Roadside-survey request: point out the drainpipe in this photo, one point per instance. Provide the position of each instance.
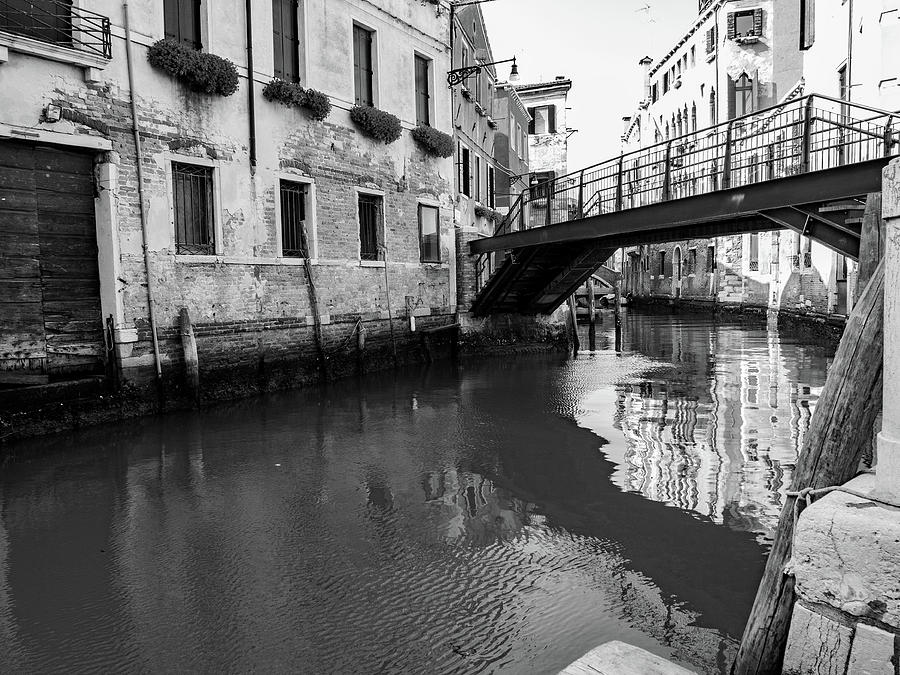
(251, 101)
(849, 93)
(151, 310)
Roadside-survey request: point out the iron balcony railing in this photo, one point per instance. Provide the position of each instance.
(808, 134)
(58, 22)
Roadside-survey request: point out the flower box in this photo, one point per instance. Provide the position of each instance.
(376, 124)
(291, 94)
(201, 72)
(433, 142)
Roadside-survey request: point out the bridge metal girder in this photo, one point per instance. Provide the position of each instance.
(816, 228)
(813, 213)
(721, 209)
(553, 294)
(502, 282)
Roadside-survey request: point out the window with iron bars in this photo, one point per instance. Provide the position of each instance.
(192, 199)
(294, 241)
(371, 229)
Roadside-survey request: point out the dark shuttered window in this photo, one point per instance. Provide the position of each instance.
(423, 95)
(294, 243)
(807, 23)
(192, 197)
(429, 233)
(466, 173)
(371, 230)
(748, 23)
(363, 66)
(285, 24)
(182, 21)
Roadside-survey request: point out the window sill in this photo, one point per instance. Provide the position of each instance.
(747, 40)
(52, 52)
(206, 259)
(371, 263)
(434, 265)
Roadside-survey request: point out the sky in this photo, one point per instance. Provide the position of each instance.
(597, 44)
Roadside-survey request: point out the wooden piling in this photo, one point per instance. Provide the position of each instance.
(361, 349)
(573, 324)
(592, 316)
(849, 403)
(191, 360)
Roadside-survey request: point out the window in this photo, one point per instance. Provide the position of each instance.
(710, 258)
(192, 205)
(692, 261)
(182, 21)
(423, 94)
(694, 116)
(807, 23)
(665, 82)
(44, 20)
(713, 114)
(711, 40)
(466, 181)
(371, 229)
(491, 187)
(662, 263)
(478, 178)
(654, 92)
(363, 71)
(429, 234)
(543, 120)
(742, 96)
(693, 55)
(754, 252)
(294, 243)
(285, 23)
(743, 24)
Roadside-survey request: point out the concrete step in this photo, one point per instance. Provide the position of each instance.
(620, 658)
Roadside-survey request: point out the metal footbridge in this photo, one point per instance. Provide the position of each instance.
(806, 165)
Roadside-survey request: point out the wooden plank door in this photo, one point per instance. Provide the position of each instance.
(70, 277)
(23, 346)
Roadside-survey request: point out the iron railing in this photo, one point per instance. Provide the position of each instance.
(808, 134)
(59, 23)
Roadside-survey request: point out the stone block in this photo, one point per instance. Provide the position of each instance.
(847, 555)
(816, 645)
(872, 652)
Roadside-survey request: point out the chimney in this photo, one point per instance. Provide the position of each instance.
(646, 62)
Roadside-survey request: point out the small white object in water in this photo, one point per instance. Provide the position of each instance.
(278, 465)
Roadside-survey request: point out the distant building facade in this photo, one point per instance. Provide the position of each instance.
(548, 131)
(738, 58)
(510, 146)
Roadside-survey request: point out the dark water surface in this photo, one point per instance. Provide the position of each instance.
(497, 516)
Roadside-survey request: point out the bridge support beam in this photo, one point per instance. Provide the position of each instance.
(816, 227)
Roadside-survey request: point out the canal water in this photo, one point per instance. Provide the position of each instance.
(504, 515)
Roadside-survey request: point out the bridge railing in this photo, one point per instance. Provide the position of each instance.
(808, 134)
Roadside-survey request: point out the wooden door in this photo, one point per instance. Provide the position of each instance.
(51, 283)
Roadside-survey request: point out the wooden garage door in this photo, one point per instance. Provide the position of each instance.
(49, 280)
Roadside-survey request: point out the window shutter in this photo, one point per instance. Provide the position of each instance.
(552, 117)
(170, 13)
(731, 101)
(531, 112)
(278, 36)
(710, 41)
(807, 23)
(731, 26)
(758, 22)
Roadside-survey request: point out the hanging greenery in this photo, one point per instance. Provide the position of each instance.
(376, 124)
(432, 141)
(201, 72)
(487, 212)
(291, 94)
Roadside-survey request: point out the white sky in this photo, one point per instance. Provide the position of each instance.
(596, 43)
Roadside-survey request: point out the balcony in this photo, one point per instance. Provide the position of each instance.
(55, 30)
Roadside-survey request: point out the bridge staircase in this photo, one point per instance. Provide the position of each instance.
(806, 165)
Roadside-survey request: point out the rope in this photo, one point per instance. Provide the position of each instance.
(807, 495)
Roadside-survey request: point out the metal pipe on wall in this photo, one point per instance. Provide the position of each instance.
(251, 88)
(139, 155)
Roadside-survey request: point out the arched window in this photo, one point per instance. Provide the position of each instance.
(680, 125)
(743, 96)
(713, 117)
(667, 131)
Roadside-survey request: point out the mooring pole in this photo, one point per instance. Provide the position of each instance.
(573, 322)
(592, 316)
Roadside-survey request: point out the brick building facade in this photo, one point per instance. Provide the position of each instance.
(227, 197)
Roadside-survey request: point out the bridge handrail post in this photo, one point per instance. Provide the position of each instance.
(888, 136)
(807, 135)
(667, 178)
(726, 167)
(581, 194)
(619, 185)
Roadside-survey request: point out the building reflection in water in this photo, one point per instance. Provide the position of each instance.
(716, 426)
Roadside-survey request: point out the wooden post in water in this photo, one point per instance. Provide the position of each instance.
(191, 360)
(848, 405)
(592, 315)
(573, 322)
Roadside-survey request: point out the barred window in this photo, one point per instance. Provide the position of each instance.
(192, 198)
(294, 242)
(429, 233)
(371, 229)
